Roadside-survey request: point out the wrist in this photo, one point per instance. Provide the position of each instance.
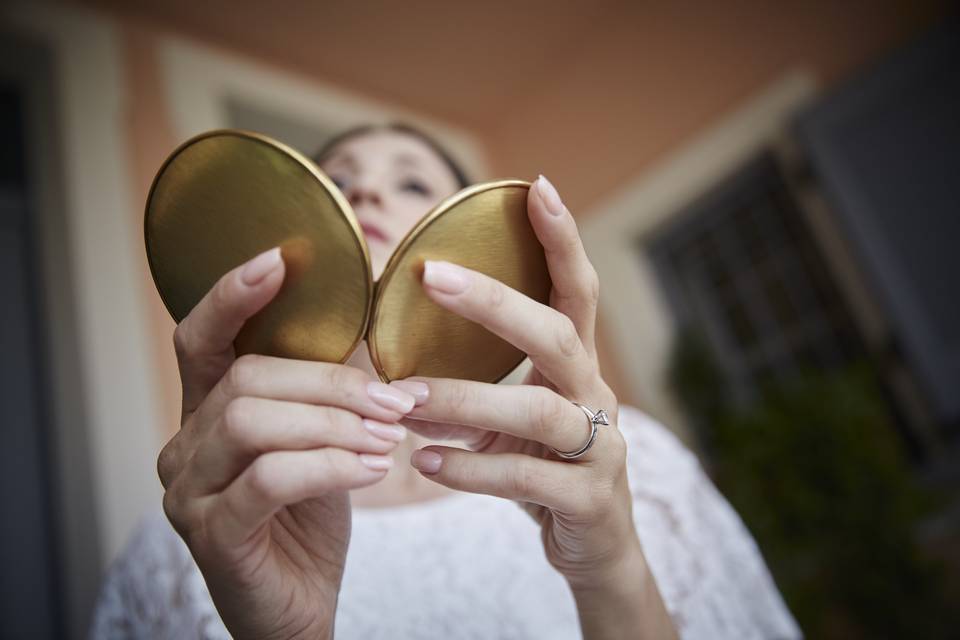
(319, 633)
(614, 553)
(317, 630)
(623, 602)
(618, 572)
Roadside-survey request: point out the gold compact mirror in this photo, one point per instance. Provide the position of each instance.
(225, 196)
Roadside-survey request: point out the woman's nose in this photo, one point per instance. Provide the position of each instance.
(360, 194)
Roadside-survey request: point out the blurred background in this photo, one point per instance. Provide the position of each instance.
(769, 191)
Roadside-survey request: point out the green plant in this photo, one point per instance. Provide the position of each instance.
(816, 471)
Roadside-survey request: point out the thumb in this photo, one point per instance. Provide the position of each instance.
(204, 339)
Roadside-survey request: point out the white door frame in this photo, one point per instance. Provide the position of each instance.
(633, 308)
(118, 383)
(199, 81)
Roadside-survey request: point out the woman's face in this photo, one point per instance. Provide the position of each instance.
(391, 179)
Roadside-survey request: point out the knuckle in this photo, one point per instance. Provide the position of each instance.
(522, 478)
(572, 243)
(518, 479)
(337, 377)
(339, 470)
(496, 295)
(594, 373)
(181, 340)
(609, 397)
(591, 285)
(458, 397)
(568, 340)
(167, 463)
(262, 478)
(331, 469)
(602, 393)
(546, 412)
(329, 426)
(346, 379)
(617, 449)
(236, 418)
(173, 509)
(220, 295)
(242, 373)
(170, 507)
(334, 419)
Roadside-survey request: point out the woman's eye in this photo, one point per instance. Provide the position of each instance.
(415, 186)
(340, 182)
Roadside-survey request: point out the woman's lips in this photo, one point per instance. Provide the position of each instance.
(373, 232)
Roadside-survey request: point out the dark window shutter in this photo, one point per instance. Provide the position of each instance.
(886, 149)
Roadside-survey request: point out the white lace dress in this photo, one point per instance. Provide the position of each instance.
(472, 566)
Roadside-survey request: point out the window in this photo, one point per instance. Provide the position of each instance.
(740, 268)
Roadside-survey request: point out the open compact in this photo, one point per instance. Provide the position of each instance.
(225, 196)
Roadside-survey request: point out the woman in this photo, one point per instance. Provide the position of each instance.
(279, 464)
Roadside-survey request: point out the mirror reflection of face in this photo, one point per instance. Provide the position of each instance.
(391, 179)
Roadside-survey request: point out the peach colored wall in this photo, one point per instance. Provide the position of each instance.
(151, 139)
(612, 112)
(591, 93)
(626, 93)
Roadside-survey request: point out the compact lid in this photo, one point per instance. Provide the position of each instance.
(225, 196)
(485, 228)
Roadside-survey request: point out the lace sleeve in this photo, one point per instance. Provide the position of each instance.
(153, 590)
(708, 567)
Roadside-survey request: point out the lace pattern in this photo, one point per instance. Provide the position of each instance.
(471, 566)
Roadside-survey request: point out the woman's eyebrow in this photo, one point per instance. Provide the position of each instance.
(342, 158)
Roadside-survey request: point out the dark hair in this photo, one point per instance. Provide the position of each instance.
(458, 173)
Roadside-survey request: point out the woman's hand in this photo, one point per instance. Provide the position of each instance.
(257, 477)
(582, 505)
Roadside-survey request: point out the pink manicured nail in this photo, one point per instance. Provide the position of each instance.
(419, 390)
(375, 462)
(551, 199)
(426, 461)
(389, 397)
(260, 267)
(384, 431)
(445, 277)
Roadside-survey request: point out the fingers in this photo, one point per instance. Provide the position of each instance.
(282, 478)
(472, 437)
(556, 485)
(320, 383)
(576, 287)
(204, 339)
(250, 427)
(527, 412)
(278, 379)
(247, 442)
(547, 336)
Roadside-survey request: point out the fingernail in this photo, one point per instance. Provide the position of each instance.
(551, 199)
(426, 461)
(445, 277)
(260, 267)
(375, 462)
(389, 397)
(384, 431)
(419, 390)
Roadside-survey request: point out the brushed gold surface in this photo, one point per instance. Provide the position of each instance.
(225, 196)
(485, 228)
